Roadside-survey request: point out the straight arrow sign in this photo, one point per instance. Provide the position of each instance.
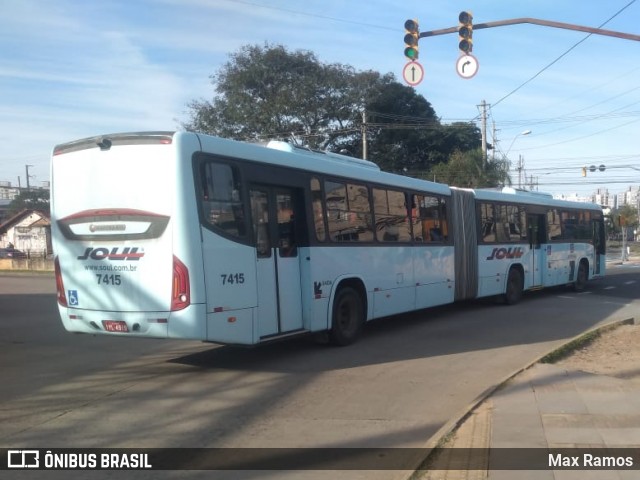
(413, 73)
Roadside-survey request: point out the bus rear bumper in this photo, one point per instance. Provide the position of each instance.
(185, 324)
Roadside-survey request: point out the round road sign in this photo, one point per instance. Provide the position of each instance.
(467, 66)
(413, 73)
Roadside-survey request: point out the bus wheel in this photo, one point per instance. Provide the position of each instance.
(515, 285)
(581, 278)
(348, 317)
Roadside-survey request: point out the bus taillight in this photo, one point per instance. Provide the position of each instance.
(180, 290)
(62, 299)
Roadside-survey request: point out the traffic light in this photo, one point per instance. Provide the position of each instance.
(411, 39)
(465, 32)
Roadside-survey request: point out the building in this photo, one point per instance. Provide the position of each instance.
(28, 231)
(7, 192)
(631, 196)
(573, 197)
(602, 197)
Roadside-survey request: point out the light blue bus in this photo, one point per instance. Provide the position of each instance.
(184, 235)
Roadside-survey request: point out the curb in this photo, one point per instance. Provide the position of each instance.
(454, 423)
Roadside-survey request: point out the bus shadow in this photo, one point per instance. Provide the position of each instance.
(550, 315)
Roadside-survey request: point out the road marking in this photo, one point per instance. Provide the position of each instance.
(630, 282)
(610, 287)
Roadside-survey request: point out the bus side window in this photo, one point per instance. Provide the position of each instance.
(429, 219)
(392, 222)
(318, 210)
(222, 198)
(487, 219)
(348, 212)
(553, 224)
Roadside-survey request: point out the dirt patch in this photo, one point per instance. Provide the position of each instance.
(615, 353)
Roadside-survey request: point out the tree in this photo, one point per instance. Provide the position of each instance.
(30, 199)
(623, 220)
(267, 92)
(628, 215)
(271, 93)
(465, 169)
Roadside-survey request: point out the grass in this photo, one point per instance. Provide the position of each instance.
(616, 245)
(580, 342)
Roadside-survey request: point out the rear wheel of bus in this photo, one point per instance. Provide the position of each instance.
(348, 316)
(515, 286)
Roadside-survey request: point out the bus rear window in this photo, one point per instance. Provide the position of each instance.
(221, 201)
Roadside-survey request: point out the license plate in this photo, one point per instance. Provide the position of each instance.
(115, 326)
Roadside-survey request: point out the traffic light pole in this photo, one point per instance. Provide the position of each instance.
(535, 21)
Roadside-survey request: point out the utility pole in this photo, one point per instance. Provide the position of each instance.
(26, 167)
(364, 134)
(494, 141)
(483, 115)
(520, 169)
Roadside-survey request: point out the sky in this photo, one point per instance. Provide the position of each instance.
(71, 69)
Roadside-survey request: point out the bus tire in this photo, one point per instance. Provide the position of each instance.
(515, 287)
(347, 318)
(581, 277)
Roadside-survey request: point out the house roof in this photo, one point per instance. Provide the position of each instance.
(43, 219)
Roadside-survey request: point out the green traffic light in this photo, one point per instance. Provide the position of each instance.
(411, 39)
(411, 53)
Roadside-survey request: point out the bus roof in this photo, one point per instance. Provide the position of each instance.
(322, 163)
(513, 195)
(287, 155)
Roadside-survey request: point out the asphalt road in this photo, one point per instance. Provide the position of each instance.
(395, 388)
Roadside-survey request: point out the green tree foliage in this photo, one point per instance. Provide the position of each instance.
(268, 92)
(465, 169)
(30, 199)
(626, 215)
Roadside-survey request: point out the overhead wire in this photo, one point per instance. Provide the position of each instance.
(494, 104)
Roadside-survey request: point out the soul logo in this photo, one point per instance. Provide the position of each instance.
(511, 252)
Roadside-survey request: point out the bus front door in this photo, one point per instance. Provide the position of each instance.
(537, 225)
(275, 211)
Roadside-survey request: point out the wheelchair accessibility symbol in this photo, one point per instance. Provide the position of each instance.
(73, 298)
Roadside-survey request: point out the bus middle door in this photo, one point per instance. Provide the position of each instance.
(274, 220)
(537, 232)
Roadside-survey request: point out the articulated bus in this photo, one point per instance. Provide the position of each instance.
(183, 235)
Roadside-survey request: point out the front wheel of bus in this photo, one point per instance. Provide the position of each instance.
(515, 286)
(348, 317)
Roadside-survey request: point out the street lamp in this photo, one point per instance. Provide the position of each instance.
(526, 132)
(520, 163)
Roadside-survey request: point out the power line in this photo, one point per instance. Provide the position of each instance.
(313, 15)
(562, 56)
(582, 137)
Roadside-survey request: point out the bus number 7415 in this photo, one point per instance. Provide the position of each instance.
(232, 278)
(107, 279)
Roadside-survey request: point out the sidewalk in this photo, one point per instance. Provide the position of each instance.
(544, 407)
